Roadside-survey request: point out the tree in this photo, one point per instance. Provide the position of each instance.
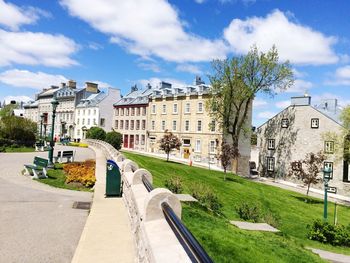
(7, 110)
(168, 143)
(226, 154)
(235, 83)
(115, 139)
(308, 169)
(96, 133)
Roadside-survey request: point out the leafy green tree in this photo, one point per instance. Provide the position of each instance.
(7, 110)
(234, 84)
(226, 154)
(96, 133)
(168, 143)
(115, 139)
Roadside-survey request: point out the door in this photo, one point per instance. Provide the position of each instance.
(186, 153)
(125, 141)
(131, 145)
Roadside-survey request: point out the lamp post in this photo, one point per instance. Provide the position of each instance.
(326, 177)
(54, 103)
(41, 128)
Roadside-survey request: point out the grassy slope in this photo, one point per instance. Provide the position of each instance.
(226, 243)
(19, 149)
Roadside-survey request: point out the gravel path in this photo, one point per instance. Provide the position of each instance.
(37, 222)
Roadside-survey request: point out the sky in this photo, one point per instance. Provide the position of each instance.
(119, 43)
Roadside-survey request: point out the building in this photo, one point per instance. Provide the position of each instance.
(95, 108)
(297, 130)
(182, 111)
(31, 111)
(130, 118)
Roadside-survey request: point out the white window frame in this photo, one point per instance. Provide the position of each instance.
(164, 109)
(188, 107)
(329, 147)
(315, 123)
(174, 125)
(198, 146)
(175, 108)
(271, 144)
(163, 125)
(200, 107)
(270, 164)
(153, 125)
(212, 146)
(201, 126)
(187, 125)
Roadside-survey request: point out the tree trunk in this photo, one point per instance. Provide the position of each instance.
(308, 188)
(234, 165)
(224, 174)
(167, 157)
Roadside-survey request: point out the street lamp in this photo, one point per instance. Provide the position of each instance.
(54, 103)
(327, 171)
(42, 116)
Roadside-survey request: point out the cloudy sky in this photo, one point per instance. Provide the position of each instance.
(120, 43)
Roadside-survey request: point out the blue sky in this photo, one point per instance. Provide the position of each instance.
(122, 43)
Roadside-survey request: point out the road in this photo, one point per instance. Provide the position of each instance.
(37, 221)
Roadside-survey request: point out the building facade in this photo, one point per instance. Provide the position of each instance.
(297, 130)
(130, 118)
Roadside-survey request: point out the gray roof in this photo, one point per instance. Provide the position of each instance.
(135, 97)
(93, 100)
(31, 104)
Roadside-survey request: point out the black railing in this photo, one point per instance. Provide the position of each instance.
(192, 247)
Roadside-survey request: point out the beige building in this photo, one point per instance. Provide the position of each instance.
(130, 118)
(297, 130)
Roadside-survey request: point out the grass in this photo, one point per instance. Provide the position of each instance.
(57, 178)
(19, 149)
(226, 243)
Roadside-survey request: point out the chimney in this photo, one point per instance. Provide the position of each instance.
(329, 105)
(134, 88)
(198, 81)
(301, 101)
(91, 87)
(164, 85)
(72, 84)
(148, 86)
(63, 85)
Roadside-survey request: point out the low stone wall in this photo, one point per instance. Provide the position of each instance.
(155, 240)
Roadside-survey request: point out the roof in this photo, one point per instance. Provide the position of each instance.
(48, 92)
(31, 104)
(92, 100)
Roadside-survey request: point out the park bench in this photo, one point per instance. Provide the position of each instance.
(38, 168)
(69, 155)
(252, 169)
(39, 146)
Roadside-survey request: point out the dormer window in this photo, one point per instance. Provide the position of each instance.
(315, 123)
(285, 123)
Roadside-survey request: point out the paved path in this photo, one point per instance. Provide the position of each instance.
(37, 222)
(332, 257)
(107, 235)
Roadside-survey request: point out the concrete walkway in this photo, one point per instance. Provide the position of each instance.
(333, 257)
(107, 234)
(37, 221)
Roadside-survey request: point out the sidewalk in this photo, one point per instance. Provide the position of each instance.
(107, 234)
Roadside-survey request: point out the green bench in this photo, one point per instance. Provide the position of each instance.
(69, 155)
(38, 168)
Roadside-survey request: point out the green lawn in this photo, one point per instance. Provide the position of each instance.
(57, 178)
(226, 243)
(19, 149)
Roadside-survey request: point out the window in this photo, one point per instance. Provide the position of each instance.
(126, 125)
(329, 165)
(285, 123)
(199, 126)
(78, 132)
(94, 111)
(83, 121)
(142, 139)
(164, 109)
(121, 124)
(78, 121)
(175, 108)
(88, 121)
(153, 109)
(95, 122)
(152, 139)
(138, 111)
(186, 142)
(137, 124)
(329, 147)
(212, 126)
(270, 164)
(116, 124)
(127, 112)
(296, 166)
(271, 144)
(187, 125)
(78, 112)
(153, 125)
(143, 111)
(315, 123)
(143, 124)
(200, 107)
(102, 122)
(122, 112)
(174, 125)
(163, 125)
(132, 111)
(83, 112)
(137, 138)
(212, 147)
(89, 112)
(187, 107)
(132, 124)
(198, 146)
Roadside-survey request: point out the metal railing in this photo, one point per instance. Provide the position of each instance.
(192, 247)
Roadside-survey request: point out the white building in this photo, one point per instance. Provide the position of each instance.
(297, 130)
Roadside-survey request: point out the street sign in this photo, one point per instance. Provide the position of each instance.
(332, 189)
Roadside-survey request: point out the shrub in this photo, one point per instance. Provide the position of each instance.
(83, 172)
(174, 184)
(115, 139)
(271, 219)
(324, 232)
(96, 133)
(78, 144)
(249, 212)
(206, 197)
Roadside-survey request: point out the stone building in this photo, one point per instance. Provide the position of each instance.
(297, 130)
(95, 108)
(130, 118)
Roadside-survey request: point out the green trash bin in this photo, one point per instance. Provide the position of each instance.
(113, 179)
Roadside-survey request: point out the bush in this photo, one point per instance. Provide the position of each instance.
(206, 197)
(249, 212)
(174, 184)
(96, 133)
(83, 172)
(78, 144)
(115, 139)
(327, 233)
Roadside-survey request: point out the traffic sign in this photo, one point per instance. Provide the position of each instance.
(332, 189)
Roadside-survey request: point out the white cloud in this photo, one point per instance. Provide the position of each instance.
(298, 73)
(266, 114)
(189, 68)
(155, 82)
(146, 28)
(149, 66)
(36, 49)
(8, 99)
(342, 100)
(199, 1)
(295, 42)
(340, 77)
(300, 86)
(12, 16)
(101, 84)
(259, 103)
(283, 104)
(26, 79)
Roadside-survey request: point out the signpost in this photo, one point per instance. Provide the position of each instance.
(327, 171)
(332, 189)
